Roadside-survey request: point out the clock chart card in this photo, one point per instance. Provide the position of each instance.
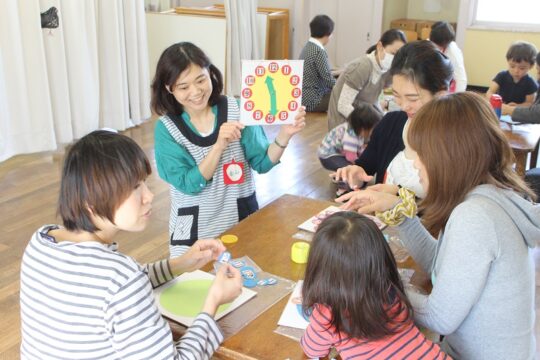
(271, 91)
(182, 298)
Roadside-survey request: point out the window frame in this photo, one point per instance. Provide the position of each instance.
(499, 25)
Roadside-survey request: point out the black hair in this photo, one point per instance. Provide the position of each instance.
(100, 171)
(321, 26)
(352, 270)
(364, 117)
(422, 63)
(538, 59)
(521, 51)
(172, 62)
(442, 33)
(388, 38)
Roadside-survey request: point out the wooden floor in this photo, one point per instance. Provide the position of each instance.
(29, 190)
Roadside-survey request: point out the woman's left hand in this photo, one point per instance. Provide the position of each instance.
(386, 188)
(290, 130)
(200, 254)
(368, 201)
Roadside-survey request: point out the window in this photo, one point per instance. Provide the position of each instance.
(510, 15)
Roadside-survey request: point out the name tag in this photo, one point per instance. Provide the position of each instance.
(233, 173)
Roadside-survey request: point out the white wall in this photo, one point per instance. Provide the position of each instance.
(449, 10)
(394, 9)
(352, 18)
(209, 33)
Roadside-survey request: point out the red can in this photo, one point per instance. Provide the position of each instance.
(496, 103)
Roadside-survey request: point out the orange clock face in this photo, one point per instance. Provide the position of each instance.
(271, 91)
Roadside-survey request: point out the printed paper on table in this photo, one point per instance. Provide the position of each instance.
(182, 299)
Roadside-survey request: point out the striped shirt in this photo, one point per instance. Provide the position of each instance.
(205, 209)
(408, 343)
(88, 301)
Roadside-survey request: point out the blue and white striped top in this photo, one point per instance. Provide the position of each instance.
(89, 301)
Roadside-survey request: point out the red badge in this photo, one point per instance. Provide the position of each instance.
(233, 173)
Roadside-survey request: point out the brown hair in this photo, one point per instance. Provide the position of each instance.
(459, 140)
(100, 172)
(352, 270)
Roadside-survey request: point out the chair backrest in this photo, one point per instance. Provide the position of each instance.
(424, 33)
(532, 177)
(410, 35)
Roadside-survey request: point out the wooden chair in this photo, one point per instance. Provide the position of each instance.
(410, 35)
(424, 33)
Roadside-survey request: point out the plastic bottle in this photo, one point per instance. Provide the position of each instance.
(496, 104)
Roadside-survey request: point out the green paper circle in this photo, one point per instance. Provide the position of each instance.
(186, 298)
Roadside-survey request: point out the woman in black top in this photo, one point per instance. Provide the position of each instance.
(419, 73)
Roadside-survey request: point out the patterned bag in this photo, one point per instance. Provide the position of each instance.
(49, 18)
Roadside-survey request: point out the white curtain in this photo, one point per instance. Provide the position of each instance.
(26, 119)
(60, 84)
(242, 41)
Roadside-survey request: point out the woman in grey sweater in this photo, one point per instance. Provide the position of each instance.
(481, 265)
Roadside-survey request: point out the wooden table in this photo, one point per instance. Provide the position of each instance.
(524, 139)
(266, 237)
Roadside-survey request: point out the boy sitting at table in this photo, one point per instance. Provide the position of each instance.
(515, 85)
(526, 114)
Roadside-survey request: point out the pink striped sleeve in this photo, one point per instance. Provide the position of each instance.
(318, 337)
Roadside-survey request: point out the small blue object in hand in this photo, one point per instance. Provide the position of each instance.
(224, 258)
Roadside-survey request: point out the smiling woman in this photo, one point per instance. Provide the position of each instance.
(203, 151)
(419, 73)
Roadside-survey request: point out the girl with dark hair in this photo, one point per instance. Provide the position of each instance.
(419, 73)
(356, 295)
(481, 264)
(364, 78)
(344, 143)
(203, 151)
(81, 297)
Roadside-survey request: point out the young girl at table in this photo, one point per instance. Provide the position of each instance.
(481, 262)
(83, 299)
(344, 143)
(357, 298)
(203, 151)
